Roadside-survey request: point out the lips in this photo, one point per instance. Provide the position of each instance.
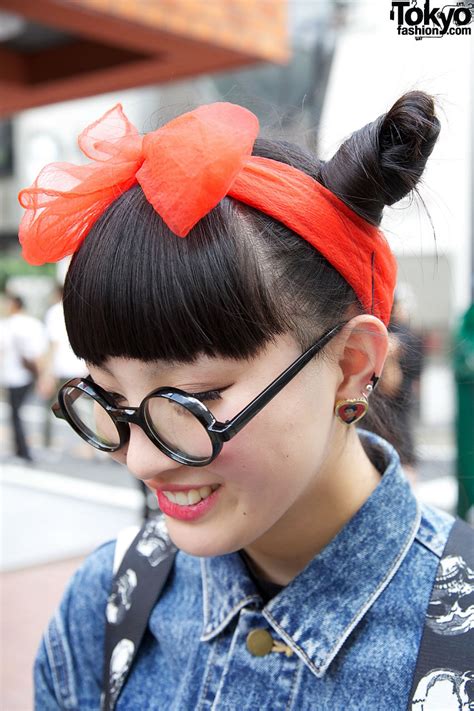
(185, 512)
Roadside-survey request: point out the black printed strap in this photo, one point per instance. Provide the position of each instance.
(136, 587)
(445, 664)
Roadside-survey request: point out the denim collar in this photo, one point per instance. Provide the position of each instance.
(320, 608)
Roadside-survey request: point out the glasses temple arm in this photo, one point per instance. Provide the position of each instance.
(231, 427)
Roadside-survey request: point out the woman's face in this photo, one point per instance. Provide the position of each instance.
(265, 474)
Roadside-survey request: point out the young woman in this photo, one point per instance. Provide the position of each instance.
(209, 265)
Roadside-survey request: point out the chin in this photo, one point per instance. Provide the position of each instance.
(201, 544)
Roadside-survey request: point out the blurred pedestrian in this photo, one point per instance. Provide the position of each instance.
(399, 387)
(22, 345)
(405, 399)
(61, 363)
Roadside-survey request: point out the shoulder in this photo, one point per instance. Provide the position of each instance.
(68, 666)
(96, 571)
(81, 611)
(434, 529)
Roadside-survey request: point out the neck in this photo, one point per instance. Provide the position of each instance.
(339, 490)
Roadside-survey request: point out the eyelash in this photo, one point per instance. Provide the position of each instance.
(209, 395)
(203, 397)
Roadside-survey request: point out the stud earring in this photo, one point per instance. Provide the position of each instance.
(353, 409)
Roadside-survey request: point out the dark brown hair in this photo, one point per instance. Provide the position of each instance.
(239, 278)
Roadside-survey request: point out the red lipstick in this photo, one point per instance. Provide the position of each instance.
(188, 512)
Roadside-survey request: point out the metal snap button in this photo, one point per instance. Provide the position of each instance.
(259, 642)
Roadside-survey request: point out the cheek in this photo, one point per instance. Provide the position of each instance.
(273, 455)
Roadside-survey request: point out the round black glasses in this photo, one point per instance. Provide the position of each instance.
(180, 425)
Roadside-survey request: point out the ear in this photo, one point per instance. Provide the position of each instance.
(361, 351)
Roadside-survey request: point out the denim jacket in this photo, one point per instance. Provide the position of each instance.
(347, 629)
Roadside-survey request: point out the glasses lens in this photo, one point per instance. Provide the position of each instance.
(91, 418)
(178, 428)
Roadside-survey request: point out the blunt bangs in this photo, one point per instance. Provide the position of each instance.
(136, 290)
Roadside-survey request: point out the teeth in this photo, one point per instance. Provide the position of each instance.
(190, 497)
(194, 496)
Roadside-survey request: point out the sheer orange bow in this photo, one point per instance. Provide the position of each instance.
(185, 168)
(65, 200)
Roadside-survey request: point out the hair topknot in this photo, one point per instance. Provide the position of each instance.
(382, 162)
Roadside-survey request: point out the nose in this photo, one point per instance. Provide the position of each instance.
(143, 458)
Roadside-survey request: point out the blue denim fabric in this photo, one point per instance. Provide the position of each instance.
(352, 620)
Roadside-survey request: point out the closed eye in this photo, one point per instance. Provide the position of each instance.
(119, 400)
(209, 395)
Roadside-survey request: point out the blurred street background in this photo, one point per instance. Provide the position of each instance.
(313, 71)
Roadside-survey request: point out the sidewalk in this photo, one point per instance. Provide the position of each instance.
(45, 535)
(29, 598)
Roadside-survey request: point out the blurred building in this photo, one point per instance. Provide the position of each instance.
(55, 51)
(287, 47)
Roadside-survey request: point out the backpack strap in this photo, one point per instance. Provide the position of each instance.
(445, 664)
(124, 540)
(136, 587)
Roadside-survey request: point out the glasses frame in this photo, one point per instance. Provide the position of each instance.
(218, 432)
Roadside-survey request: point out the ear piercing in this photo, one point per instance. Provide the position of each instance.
(352, 410)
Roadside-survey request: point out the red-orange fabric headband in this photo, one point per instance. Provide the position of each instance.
(185, 168)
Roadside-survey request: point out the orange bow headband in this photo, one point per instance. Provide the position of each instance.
(185, 168)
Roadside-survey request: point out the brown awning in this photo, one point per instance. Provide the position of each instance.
(62, 50)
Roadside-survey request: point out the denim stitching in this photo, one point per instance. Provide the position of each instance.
(229, 658)
(296, 680)
(291, 642)
(61, 663)
(208, 674)
(237, 607)
(205, 597)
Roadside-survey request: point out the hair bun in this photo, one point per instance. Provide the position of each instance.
(383, 161)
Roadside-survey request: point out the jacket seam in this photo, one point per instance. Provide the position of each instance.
(207, 680)
(205, 596)
(294, 685)
(429, 546)
(233, 611)
(291, 643)
(225, 671)
(61, 664)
